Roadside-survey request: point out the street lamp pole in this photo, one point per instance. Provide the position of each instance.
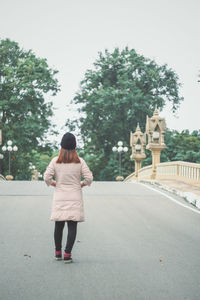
(120, 149)
(9, 162)
(9, 148)
(120, 163)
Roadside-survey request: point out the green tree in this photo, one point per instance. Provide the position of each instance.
(121, 89)
(41, 160)
(26, 83)
(183, 146)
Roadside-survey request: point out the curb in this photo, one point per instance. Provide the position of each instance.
(188, 196)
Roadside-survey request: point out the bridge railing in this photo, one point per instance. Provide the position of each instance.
(179, 169)
(185, 171)
(143, 173)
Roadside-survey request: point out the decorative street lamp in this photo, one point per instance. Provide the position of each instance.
(31, 166)
(137, 143)
(120, 149)
(1, 157)
(155, 129)
(9, 148)
(39, 175)
(34, 171)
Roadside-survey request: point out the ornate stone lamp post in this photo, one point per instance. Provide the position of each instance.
(155, 129)
(120, 150)
(9, 148)
(34, 171)
(137, 143)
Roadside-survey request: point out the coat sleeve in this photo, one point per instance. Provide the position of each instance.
(87, 174)
(49, 173)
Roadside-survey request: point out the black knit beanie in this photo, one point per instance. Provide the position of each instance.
(68, 141)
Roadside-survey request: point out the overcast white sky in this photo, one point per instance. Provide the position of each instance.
(71, 33)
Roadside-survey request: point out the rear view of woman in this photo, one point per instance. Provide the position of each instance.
(67, 206)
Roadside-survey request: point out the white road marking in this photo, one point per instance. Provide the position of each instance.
(170, 198)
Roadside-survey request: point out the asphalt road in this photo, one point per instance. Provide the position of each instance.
(135, 244)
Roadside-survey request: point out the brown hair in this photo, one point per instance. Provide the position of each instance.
(67, 156)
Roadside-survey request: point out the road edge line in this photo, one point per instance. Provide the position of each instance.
(170, 198)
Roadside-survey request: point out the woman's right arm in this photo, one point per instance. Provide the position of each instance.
(49, 173)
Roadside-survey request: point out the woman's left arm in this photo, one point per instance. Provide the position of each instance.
(87, 174)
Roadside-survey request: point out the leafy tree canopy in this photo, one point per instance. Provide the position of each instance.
(183, 146)
(25, 82)
(121, 89)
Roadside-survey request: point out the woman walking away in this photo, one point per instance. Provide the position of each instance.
(67, 206)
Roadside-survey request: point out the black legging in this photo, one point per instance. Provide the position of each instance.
(58, 233)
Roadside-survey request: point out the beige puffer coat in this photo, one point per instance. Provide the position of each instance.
(67, 200)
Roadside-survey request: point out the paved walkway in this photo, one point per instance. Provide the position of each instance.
(136, 244)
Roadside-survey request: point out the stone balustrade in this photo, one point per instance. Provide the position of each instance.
(180, 170)
(185, 171)
(143, 173)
